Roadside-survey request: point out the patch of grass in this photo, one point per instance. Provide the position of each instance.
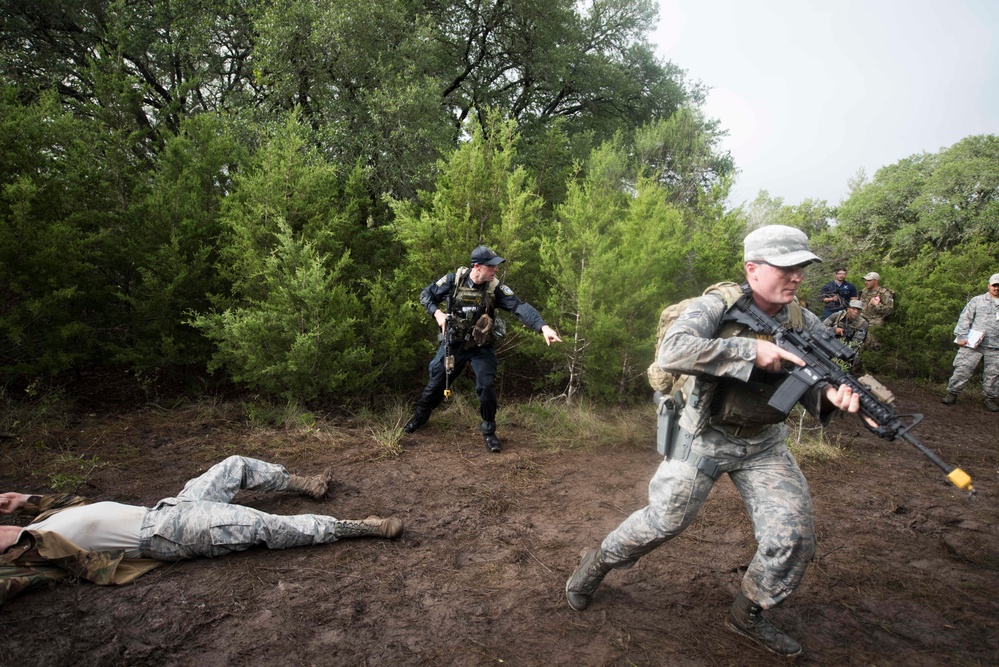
(262, 413)
(807, 439)
(39, 409)
(559, 425)
(73, 472)
(389, 437)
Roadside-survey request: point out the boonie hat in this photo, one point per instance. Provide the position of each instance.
(487, 256)
(873, 275)
(994, 279)
(856, 303)
(778, 245)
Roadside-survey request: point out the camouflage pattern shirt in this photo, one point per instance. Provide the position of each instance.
(40, 557)
(876, 314)
(982, 314)
(699, 344)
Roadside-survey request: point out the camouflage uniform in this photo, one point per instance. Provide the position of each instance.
(202, 522)
(752, 453)
(876, 314)
(981, 314)
(854, 332)
(198, 522)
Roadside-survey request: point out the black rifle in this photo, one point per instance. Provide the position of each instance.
(820, 350)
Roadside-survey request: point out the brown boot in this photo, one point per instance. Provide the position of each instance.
(373, 526)
(316, 487)
(583, 583)
(745, 617)
(949, 399)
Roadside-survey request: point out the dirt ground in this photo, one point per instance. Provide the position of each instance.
(906, 573)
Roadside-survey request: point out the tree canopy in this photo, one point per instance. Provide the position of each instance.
(261, 188)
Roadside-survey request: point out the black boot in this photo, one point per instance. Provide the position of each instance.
(419, 419)
(745, 617)
(493, 443)
(589, 573)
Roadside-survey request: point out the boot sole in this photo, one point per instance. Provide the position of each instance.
(756, 640)
(572, 606)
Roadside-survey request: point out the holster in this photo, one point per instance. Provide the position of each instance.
(673, 442)
(668, 422)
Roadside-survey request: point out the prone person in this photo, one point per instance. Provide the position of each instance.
(113, 543)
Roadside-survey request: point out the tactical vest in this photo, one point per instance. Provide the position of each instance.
(849, 327)
(744, 404)
(469, 303)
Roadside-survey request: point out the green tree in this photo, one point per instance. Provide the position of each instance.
(180, 229)
(622, 252)
(298, 338)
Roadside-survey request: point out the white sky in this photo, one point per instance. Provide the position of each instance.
(810, 91)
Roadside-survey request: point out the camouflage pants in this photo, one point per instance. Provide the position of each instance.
(775, 494)
(967, 361)
(200, 522)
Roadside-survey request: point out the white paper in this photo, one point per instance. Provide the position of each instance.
(974, 338)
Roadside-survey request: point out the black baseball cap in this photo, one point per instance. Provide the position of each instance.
(487, 256)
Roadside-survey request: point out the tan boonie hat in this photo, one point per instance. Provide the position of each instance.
(994, 279)
(856, 303)
(873, 275)
(778, 245)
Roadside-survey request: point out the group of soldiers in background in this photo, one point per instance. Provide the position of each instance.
(851, 316)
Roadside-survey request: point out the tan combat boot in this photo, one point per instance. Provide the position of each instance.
(745, 617)
(583, 583)
(316, 487)
(373, 526)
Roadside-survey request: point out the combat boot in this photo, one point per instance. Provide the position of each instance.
(316, 487)
(991, 405)
(373, 526)
(745, 617)
(493, 443)
(583, 583)
(418, 420)
(949, 399)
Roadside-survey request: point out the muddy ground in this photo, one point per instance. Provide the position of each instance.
(907, 570)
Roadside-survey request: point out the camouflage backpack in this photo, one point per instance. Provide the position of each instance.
(668, 383)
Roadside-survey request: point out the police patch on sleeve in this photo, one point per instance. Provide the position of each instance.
(506, 290)
(689, 315)
(440, 283)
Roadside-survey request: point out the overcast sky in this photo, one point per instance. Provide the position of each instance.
(810, 91)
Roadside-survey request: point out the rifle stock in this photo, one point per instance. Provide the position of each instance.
(820, 350)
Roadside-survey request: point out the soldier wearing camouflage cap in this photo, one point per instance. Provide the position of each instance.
(726, 426)
(977, 334)
(113, 543)
(879, 301)
(851, 327)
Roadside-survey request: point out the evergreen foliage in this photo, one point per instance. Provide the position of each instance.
(262, 189)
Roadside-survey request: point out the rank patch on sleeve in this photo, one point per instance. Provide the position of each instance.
(689, 315)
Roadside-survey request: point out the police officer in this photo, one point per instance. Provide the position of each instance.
(468, 331)
(727, 426)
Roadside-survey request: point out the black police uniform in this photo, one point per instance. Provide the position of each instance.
(482, 358)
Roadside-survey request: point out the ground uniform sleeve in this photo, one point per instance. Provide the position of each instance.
(525, 312)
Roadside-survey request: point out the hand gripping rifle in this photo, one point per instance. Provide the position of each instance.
(820, 350)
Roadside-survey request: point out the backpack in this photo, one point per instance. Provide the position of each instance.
(668, 383)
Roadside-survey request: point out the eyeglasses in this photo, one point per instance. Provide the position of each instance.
(784, 270)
